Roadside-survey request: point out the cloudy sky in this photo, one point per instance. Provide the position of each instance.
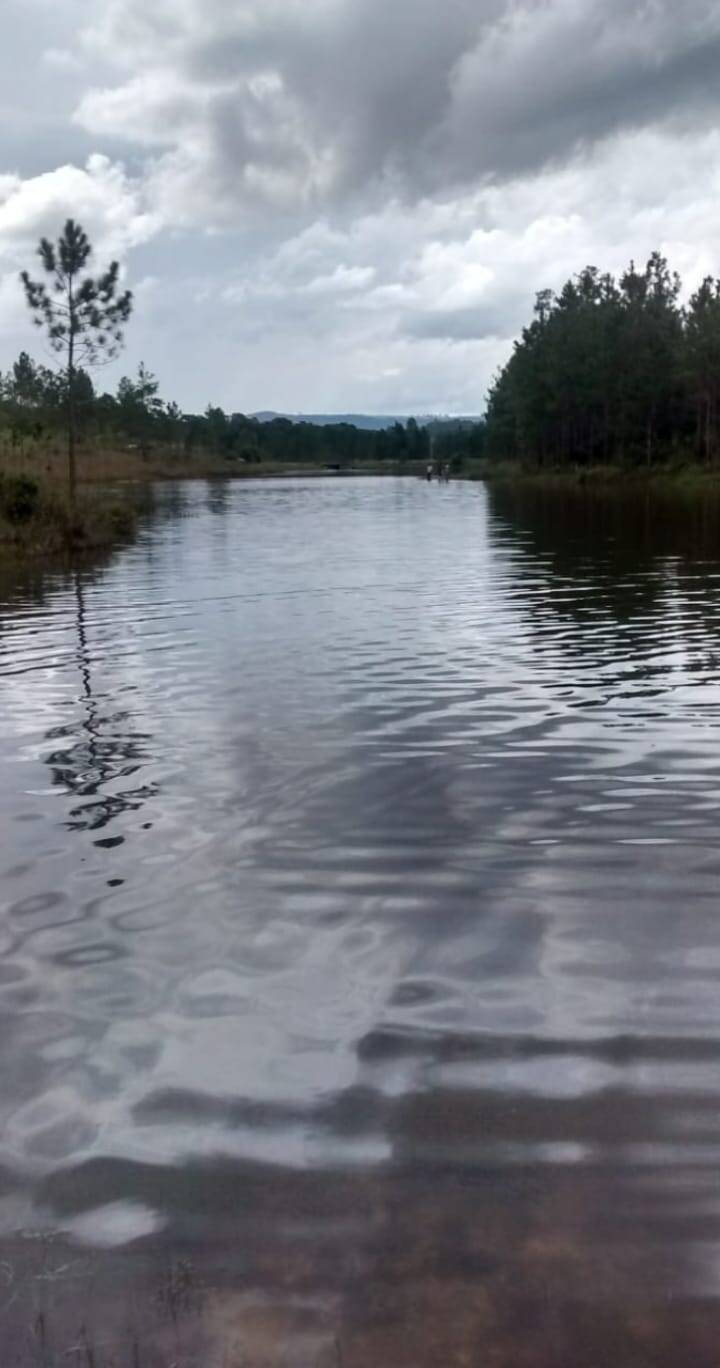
(329, 205)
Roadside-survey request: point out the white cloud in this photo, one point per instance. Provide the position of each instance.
(62, 59)
(439, 290)
(343, 280)
(101, 195)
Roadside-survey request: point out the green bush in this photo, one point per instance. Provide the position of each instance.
(19, 498)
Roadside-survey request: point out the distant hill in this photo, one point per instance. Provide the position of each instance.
(371, 422)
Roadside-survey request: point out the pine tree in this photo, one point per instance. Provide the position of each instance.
(702, 362)
(82, 315)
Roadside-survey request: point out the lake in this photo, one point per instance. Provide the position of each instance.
(359, 931)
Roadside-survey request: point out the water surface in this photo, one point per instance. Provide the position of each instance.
(359, 917)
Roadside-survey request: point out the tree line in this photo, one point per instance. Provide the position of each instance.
(613, 371)
(34, 404)
(83, 318)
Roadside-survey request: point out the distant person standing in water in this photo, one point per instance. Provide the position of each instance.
(429, 472)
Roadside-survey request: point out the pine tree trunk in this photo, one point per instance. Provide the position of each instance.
(71, 447)
(71, 417)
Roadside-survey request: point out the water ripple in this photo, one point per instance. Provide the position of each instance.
(352, 824)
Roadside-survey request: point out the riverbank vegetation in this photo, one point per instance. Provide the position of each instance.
(611, 376)
(132, 431)
(39, 518)
(131, 437)
(58, 431)
(610, 373)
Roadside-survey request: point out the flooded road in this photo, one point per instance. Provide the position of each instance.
(359, 928)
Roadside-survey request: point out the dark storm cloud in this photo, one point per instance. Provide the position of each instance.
(571, 74)
(342, 98)
(498, 319)
(370, 82)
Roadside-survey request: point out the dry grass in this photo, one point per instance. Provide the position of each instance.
(54, 526)
(113, 465)
(677, 475)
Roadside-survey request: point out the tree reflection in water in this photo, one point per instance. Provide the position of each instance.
(104, 755)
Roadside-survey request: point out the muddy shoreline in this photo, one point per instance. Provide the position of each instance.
(406, 1267)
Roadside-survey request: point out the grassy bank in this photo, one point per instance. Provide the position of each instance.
(115, 466)
(108, 466)
(681, 476)
(38, 519)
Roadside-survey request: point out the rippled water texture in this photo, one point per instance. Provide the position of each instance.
(359, 923)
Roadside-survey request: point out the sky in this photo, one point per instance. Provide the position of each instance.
(349, 205)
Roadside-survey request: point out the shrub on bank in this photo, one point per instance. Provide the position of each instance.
(19, 498)
(37, 519)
